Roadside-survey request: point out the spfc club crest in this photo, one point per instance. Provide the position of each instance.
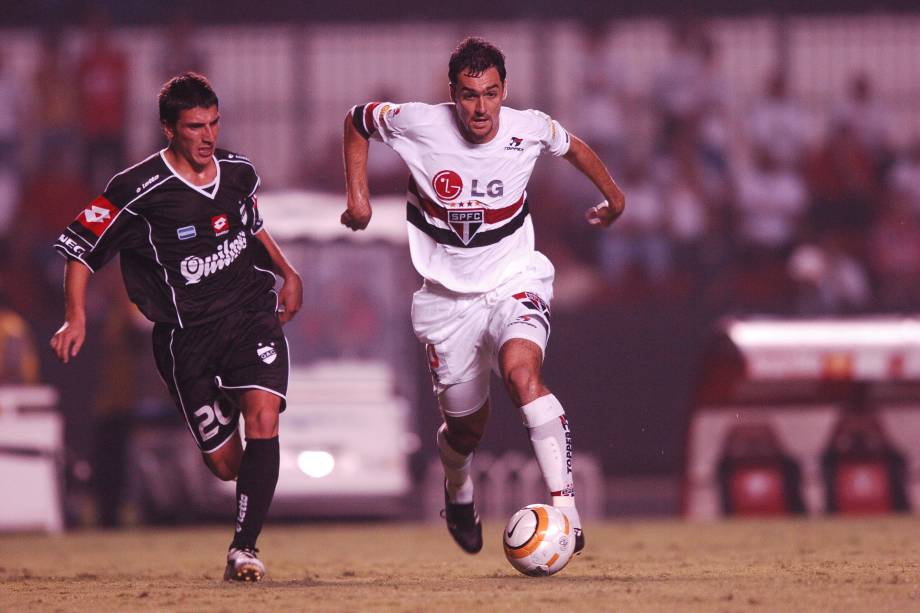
(466, 223)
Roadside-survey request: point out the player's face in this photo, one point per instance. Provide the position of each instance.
(194, 135)
(478, 100)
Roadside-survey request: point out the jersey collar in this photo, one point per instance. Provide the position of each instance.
(198, 188)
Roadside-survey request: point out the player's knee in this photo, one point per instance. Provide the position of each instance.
(523, 384)
(261, 422)
(463, 438)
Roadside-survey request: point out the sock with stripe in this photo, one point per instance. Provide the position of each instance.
(551, 439)
(255, 488)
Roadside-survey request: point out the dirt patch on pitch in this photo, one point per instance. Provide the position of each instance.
(870, 564)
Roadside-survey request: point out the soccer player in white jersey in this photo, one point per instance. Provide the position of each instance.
(484, 301)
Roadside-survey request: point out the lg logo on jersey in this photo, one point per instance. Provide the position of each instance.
(448, 185)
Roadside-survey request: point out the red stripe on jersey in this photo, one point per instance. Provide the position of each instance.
(369, 117)
(439, 212)
(97, 216)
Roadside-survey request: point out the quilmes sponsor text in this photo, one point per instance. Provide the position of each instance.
(194, 268)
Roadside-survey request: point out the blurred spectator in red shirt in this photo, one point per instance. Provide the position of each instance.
(48, 201)
(842, 181)
(102, 85)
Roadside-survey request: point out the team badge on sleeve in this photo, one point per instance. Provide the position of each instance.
(98, 215)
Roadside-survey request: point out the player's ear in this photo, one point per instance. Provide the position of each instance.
(505, 90)
(168, 130)
(453, 91)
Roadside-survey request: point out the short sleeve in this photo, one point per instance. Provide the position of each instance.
(553, 137)
(98, 233)
(252, 217)
(383, 121)
(103, 228)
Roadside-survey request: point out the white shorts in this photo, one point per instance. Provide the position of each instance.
(463, 333)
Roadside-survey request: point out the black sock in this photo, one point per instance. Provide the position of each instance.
(255, 487)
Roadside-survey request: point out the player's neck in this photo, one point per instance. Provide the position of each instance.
(190, 171)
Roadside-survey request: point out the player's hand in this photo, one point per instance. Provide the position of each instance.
(601, 215)
(290, 297)
(68, 340)
(356, 216)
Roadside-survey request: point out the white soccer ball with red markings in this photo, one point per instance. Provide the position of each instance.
(539, 540)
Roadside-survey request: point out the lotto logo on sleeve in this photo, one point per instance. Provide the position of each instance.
(221, 225)
(98, 215)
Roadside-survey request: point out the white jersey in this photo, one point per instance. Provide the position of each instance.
(468, 218)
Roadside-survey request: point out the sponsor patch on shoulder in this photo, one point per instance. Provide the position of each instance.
(388, 112)
(97, 216)
(186, 232)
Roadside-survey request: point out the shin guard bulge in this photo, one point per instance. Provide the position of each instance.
(456, 470)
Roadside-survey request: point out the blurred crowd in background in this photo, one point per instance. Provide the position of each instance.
(789, 210)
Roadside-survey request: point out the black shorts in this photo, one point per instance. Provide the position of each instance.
(205, 367)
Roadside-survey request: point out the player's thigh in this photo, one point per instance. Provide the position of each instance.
(183, 358)
(453, 331)
(256, 360)
(465, 399)
(519, 332)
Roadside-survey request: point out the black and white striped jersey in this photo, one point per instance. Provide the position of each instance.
(468, 217)
(188, 253)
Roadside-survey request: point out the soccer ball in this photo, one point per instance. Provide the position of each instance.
(539, 540)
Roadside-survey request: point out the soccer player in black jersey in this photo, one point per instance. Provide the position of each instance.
(197, 262)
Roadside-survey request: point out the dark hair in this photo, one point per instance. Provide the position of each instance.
(187, 91)
(475, 56)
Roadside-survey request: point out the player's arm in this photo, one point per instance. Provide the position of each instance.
(69, 338)
(290, 296)
(582, 157)
(358, 202)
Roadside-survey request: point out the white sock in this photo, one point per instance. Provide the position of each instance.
(456, 470)
(566, 504)
(552, 446)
